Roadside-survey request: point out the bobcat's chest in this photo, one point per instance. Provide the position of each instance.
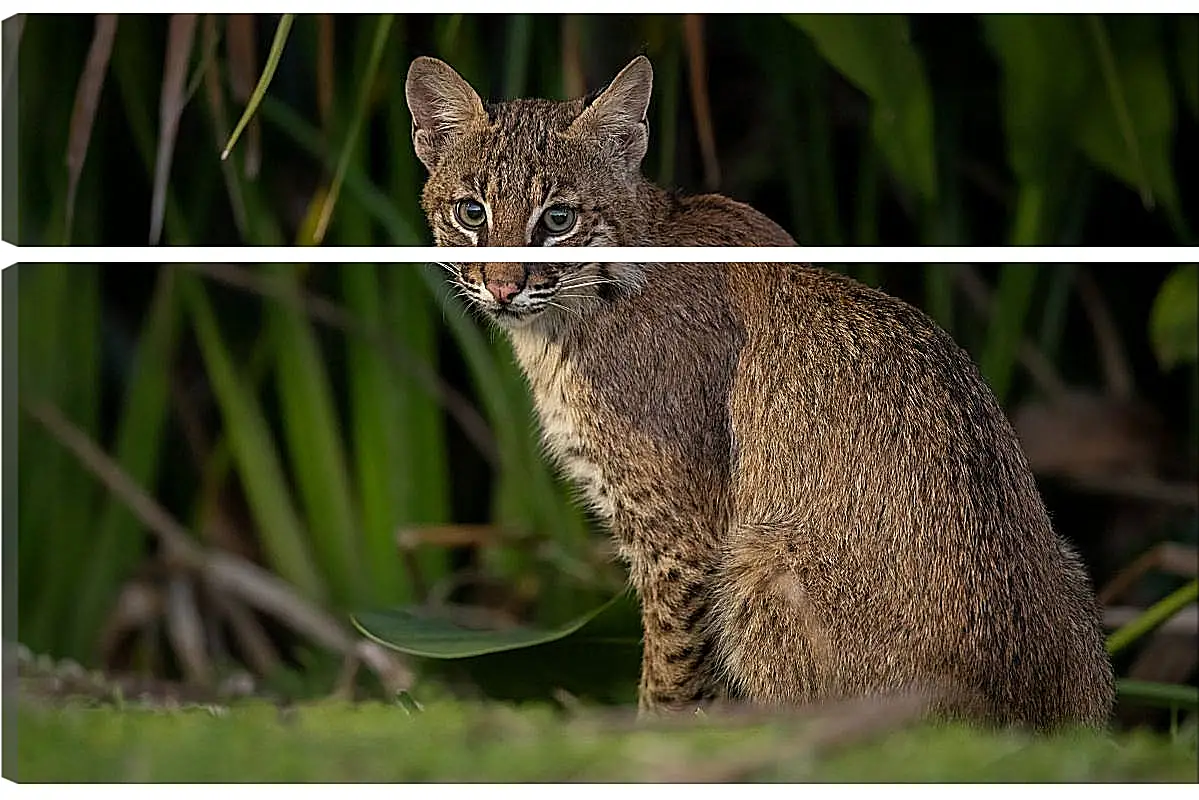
(570, 428)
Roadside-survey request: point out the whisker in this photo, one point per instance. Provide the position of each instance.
(567, 309)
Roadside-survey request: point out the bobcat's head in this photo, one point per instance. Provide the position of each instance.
(532, 173)
(528, 173)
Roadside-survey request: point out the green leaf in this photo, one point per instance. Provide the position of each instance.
(876, 54)
(1128, 129)
(1044, 60)
(419, 633)
(1174, 321)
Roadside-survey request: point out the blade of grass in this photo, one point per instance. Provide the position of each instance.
(243, 62)
(220, 124)
(573, 84)
(383, 466)
(133, 70)
(281, 533)
(324, 68)
(1115, 92)
(1013, 300)
(1053, 315)
(516, 55)
(180, 33)
(313, 435)
(382, 29)
(1161, 695)
(414, 322)
(60, 310)
(117, 543)
(268, 72)
(402, 230)
(666, 90)
(697, 73)
(83, 114)
(1153, 617)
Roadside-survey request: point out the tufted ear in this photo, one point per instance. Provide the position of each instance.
(443, 106)
(617, 116)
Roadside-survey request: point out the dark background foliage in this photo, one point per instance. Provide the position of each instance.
(903, 130)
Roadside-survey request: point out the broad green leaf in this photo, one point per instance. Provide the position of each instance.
(876, 54)
(419, 633)
(1174, 321)
(1046, 80)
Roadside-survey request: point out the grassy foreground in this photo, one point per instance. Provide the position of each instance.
(453, 742)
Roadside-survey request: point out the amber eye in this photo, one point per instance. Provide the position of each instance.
(558, 219)
(470, 213)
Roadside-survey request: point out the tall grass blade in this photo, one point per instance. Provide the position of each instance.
(117, 544)
(516, 55)
(284, 538)
(180, 34)
(268, 72)
(58, 362)
(1154, 617)
(220, 127)
(312, 431)
(384, 466)
(83, 113)
(1013, 299)
(701, 106)
(240, 30)
(382, 28)
(401, 228)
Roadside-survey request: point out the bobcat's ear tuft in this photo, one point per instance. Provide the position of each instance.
(617, 116)
(443, 106)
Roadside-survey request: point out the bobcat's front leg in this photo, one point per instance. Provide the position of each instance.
(678, 667)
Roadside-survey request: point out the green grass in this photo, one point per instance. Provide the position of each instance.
(454, 742)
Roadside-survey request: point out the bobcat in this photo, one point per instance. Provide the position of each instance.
(816, 493)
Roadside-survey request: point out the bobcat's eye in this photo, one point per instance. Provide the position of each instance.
(470, 213)
(558, 219)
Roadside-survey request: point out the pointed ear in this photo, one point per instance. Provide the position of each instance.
(617, 117)
(443, 106)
